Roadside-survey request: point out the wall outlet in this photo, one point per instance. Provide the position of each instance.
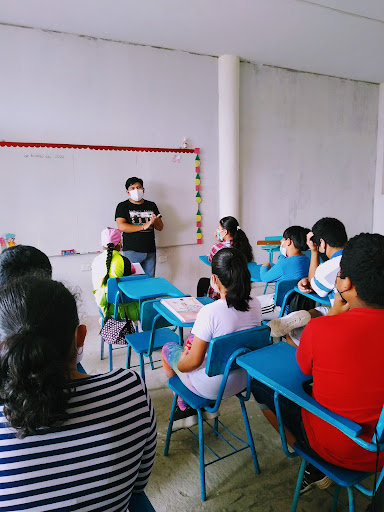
(162, 258)
(85, 267)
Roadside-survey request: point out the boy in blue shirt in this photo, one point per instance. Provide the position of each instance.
(326, 242)
(292, 264)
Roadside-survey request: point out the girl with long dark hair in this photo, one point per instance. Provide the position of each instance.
(68, 441)
(227, 234)
(234, 311)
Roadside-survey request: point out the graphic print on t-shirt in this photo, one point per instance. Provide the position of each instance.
(141, 217)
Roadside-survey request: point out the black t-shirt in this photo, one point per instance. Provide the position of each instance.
(140, 241)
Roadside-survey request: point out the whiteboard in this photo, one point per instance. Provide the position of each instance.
(58, 199)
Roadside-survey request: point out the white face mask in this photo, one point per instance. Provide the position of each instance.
(136, 194)
(283, 251)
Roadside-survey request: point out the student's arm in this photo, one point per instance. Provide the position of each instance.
(267, 274)
(315, 259)
(126, 227)
(192, 359)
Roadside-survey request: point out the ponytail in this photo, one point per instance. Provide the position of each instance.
(231, 268)
(38, 319)
(240, 239)
(110, 249)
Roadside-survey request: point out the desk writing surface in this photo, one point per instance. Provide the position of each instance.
(149, 288)
(321, 300)
(173, 319)
(276, 366)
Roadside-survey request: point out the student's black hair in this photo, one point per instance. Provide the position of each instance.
(331, 230)
(298, 235)
(19, 260)
(240, 240)
(110, 249)
(363, 262)
(38, 319)
(230, 266)
(132, 181)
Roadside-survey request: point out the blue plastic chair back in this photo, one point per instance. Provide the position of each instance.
(148, 315)
(113, 290)
(221, 348)
(281, 289)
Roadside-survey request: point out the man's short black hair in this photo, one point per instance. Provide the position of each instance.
(332, 231)
(132, 181)
(363, 263)
(20, 260)
(298, 235)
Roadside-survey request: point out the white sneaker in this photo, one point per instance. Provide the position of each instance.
(210, 415)
(282, 326)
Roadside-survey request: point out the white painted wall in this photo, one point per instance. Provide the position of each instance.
(307, 142)
(307, 150)
(378, 212)
(70, 89)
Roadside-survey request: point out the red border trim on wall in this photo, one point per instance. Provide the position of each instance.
(85, 146)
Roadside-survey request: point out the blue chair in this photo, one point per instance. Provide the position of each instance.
(221, 359)
(342, 477)
(283, 290)
(155, 334)
(276, 367)
(115, 296)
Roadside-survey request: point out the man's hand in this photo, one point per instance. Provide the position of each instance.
(339, 306)
(312, 246)
(266, 265)
(151, 221)
(304, 285)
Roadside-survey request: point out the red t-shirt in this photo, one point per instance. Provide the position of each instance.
(345, 354)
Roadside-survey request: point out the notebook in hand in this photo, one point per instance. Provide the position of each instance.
(184, 308)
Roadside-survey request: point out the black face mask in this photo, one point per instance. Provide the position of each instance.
(323, 256)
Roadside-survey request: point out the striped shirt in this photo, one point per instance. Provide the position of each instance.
(323, 282)
(93, 462)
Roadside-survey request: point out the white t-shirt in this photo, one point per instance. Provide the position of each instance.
(217, 319)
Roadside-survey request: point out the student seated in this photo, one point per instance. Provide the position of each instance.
(292, 264)
(345, 359)
(326, 242)
(110, 263)
(227, 234)
(21, 260)
(68, 441)
(234, 311)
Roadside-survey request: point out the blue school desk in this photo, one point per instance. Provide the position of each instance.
(324, 301)
(149, 288)
(173, 319)
(276, 367)
(253, 268)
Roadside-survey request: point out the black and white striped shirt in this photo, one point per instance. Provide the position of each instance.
(90, 463)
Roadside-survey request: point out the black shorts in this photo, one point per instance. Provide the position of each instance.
(290, 412)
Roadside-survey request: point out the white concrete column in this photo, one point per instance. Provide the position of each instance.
(378, 206)
(229, 78)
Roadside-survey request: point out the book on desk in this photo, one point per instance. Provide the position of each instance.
(184, 308)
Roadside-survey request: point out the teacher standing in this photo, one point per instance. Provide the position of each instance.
(138, 218)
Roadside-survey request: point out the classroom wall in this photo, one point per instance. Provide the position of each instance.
(307, 150)
(378, 212)
(307, 142)
(71, 89)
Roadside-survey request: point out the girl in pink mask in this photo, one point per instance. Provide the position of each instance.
(227, 234)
